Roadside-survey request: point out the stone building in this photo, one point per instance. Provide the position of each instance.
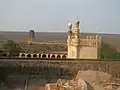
(87, 47)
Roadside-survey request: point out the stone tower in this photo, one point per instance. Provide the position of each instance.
(82, 47)
(69, 39)
(73, 41)
(31, 37)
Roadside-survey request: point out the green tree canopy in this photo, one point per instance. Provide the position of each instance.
(11, 47)
(108, 52)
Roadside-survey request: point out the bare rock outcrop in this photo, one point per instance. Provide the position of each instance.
(74, 84)
(88, 80)
(99, 80)
(62, 84)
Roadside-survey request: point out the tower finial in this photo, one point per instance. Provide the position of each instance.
(77, 21)
(69, 24)
(77, 28)
(77, 17)
(97, 31)
(32, 29)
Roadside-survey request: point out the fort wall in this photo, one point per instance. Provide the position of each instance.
(88, 53)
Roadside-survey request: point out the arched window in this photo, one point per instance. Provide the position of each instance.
(58, 56)
(63, 56)
(16, 55)
(35, 55)
(43, 56)
(23, 55)
(4, 54)
(53, 56)
(28, 55)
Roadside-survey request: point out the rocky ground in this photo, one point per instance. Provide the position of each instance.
(99, 80)
(95, 81)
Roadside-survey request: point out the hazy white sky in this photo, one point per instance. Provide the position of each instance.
(53, 15)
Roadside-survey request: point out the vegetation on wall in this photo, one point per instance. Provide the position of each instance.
(108, 52)
(11, 47)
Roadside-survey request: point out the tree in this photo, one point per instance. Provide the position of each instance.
(108, 52)
(11, 47)
(118, 55)
(1, 52)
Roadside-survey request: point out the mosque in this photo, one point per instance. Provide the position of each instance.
(79, 47)
(87, 47)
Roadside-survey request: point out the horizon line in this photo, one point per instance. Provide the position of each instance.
(57, 32)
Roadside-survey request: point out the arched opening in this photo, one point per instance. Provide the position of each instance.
(63, 56)
(35, 55)
(4, 54)
(53, 56)
(58, 56)
(28, 55)
(48, 55)
(23, 55)
(17, 55)
(39, 55)
(43, 56)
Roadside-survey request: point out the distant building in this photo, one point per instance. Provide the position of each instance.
(87, 47)
(31, 37)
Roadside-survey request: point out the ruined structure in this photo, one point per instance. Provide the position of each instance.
(32, 40)
(75, 84)
(82, 48)
(86, 80)
(31, 37)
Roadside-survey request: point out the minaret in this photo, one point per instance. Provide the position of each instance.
(77, 31)
(69, 30)
(69, 39)
(76, 40)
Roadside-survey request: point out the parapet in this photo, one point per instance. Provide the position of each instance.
(91, 37)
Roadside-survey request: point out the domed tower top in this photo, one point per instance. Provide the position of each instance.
(69, 24)
(69, 31)
(77, 25)
(77, 29)
(69, 28)
(77, 21)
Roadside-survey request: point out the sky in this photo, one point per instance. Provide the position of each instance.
(54, 15)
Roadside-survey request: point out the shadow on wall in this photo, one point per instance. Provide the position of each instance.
(89, 87)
